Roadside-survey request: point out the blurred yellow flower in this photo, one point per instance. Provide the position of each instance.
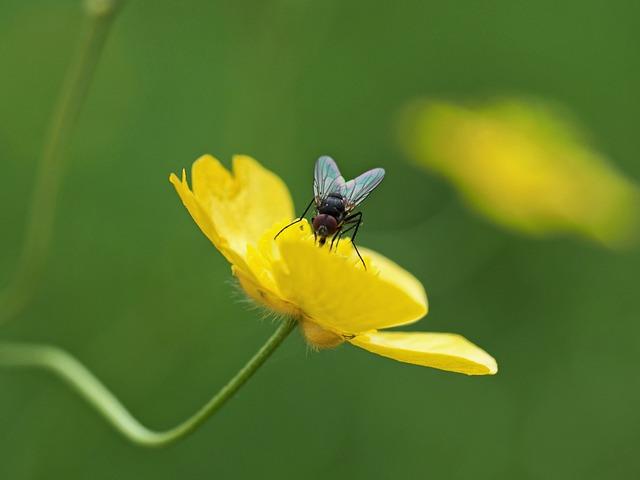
(331, 295)
(525, 166)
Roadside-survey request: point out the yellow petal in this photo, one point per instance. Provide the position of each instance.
(262, 294)
(445, 351)
(203, 220)
(198, 214)
(334, 291)
(234, 210)
(392, 272)
(242, 205)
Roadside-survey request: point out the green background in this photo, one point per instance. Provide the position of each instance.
(137, 293)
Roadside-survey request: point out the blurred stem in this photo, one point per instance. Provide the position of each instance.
(99, 15)
(88, 386)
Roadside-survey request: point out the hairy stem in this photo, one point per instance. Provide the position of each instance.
(64, 365)
(98, 19)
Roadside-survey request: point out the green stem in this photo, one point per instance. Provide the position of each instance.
(99, 17)
(88, 386)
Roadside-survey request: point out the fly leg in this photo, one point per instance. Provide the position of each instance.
(355, 220)
(297, 220)
(338, 236)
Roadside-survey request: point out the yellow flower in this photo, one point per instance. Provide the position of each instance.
(525, 166)
(331, 295)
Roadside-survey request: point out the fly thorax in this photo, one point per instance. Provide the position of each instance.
(333, 205)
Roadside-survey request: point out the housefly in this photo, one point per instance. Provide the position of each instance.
(335, 201)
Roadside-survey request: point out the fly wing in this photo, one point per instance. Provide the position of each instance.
(356, 190)
(326, 178)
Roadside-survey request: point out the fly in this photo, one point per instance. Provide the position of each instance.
(335, 201)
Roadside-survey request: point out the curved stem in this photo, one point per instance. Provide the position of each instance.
(88, 386)
(99, 17)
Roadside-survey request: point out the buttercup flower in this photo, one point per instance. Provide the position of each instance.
(525, 166)
(241, 211)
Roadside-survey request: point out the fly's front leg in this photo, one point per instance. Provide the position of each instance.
(297, 220)
(336, 236)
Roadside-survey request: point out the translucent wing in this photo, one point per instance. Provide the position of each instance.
(326, 178)
(356, 190)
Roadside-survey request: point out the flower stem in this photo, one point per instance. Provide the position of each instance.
(88, 386)
(99, 15)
